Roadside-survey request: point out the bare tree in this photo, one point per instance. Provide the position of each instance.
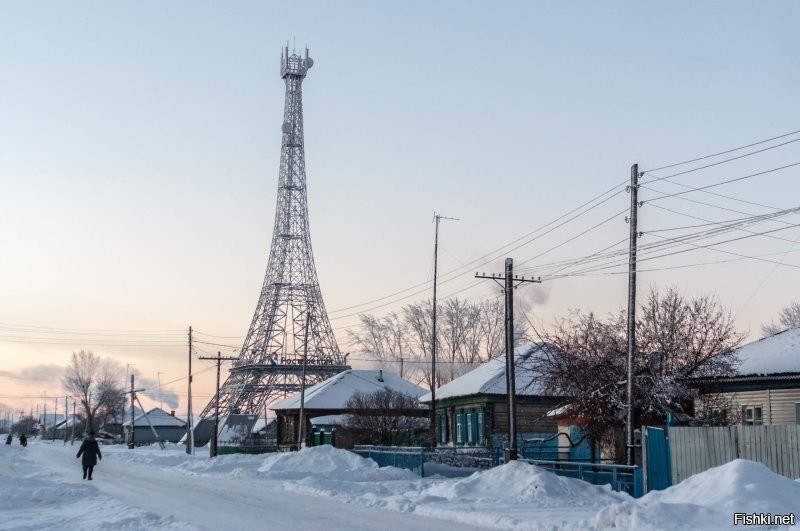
(94, 383)
(469, 333)
(383, 417)
(789, 317)
(677, 338)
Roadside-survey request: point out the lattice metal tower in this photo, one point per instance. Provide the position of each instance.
(290, 308)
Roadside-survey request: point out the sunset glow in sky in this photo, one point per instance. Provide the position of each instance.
(140, 147)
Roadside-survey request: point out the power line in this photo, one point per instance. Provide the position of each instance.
(723, 152)
(488, 257)
(728, 181)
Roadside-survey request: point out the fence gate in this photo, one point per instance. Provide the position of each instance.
(657, 469)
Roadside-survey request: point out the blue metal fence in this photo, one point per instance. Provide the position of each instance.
(623, 478)
(408, 457)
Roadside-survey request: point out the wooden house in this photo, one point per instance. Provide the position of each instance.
(472, 410)
(325, 405)
(766, 386)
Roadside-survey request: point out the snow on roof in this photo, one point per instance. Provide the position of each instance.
(71, 419)
(158, 418)
(334, 392)
(775, 354)
(329, 420)
(490, 378)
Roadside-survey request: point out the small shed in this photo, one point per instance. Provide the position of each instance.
(326, 402)
(472, 410)
(167, 425)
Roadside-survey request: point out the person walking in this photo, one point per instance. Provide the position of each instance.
(23, 439)
(91, 452)
(9, 439)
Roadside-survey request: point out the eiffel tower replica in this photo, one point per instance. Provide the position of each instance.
(290, 321)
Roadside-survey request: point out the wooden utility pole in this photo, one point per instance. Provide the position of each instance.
(55, 418)
(189, 428)
(215, 435)
(509, 281)
(66, 406)
(633, 221)
(132, 438)
(436, 218)
(301, 422)
(72, 443)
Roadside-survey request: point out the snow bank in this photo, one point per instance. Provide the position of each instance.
(319, 462)
(331, 463)
(708, 500)
(525, 483)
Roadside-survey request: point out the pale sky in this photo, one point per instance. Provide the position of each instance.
(139, 148)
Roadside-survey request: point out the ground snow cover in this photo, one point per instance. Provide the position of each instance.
(324, 488)
(710, 499)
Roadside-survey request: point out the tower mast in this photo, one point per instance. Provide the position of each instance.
(270, 362)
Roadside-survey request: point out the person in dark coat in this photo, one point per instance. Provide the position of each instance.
(9, 439)
(91, 452)
(23, 440)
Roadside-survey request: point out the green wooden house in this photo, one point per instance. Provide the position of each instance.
(472, 410)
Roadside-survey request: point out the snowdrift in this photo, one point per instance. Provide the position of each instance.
(525, 483)
(707, 500)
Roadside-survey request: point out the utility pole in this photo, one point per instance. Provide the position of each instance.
(633, 189)
(301, 422)
(160, 397)
(436, 218)
(72, 442)
(509, 281)
(55, 418)
(189, 427)
(401, 366)
(132, 438)
(215, 435)
(66, 406)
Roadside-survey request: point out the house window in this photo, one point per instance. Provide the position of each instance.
(481, 427)
(443, 428)
(459, 423)
(753, 416)
(470, 424)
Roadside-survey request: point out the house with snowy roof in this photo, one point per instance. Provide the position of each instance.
(325, 404)
(472, 410)
(169, 427)
(766, 386)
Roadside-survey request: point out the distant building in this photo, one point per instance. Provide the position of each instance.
(766, 386)
(167, 425)
(325, 403)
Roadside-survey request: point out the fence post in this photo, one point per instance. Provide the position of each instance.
(637, 489)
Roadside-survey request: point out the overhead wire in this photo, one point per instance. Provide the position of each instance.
(697, 159)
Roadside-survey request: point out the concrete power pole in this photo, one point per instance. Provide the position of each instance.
(633, 189)
(189, 428)
(509, 281)
(301, 422)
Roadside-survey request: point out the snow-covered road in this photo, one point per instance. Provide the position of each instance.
(327, 489)
(179, 500)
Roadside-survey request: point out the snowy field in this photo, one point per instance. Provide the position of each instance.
(327, 489)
